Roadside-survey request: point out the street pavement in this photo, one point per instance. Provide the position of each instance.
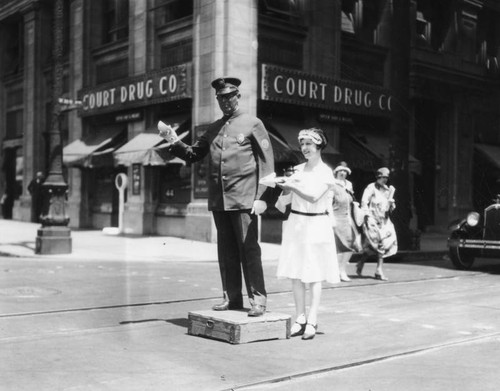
(113, 316)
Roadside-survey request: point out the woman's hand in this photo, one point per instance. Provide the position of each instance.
(286, 184)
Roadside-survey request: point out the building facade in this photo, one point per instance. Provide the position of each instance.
(412, 85)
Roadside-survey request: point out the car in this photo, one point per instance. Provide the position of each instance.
(477, 235)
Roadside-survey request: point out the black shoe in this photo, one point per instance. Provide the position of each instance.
(227, 305)
(257, 310)
(297, 329)
(310, 331)
(359, 268)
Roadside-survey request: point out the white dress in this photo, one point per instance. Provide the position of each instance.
(308, 250)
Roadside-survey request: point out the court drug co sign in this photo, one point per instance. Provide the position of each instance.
(168, 84)
(299, 88)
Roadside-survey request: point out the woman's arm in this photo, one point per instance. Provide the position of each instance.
(310, 194)
(367, 195)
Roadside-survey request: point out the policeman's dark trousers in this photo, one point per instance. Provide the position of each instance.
(238, 249)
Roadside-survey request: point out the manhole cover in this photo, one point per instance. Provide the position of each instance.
(28, 291)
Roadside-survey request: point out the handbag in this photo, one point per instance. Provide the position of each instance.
(358, 214)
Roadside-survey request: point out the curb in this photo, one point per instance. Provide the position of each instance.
(408, 256)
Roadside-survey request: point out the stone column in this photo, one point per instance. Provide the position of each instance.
(461, 149)
(139, 211)
(34, 108)
(400, 123)
(2, 111)
(322, 53)
(225, 44)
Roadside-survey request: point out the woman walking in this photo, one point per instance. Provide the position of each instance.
(308, 255)
(379, 233)
(347, 236)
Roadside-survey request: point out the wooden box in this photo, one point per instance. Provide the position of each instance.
(237, 327)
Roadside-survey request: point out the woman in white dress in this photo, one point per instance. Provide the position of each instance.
(308, 254)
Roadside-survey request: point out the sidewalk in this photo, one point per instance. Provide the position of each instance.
(18, 238)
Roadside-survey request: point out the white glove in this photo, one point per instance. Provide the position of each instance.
(283, 201)
(165, 131)
(259, 207)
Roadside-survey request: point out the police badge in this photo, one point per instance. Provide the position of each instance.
(240, 138)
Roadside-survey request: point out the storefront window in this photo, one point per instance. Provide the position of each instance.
(361, 17)
(14, 124)
(13, 56)
(111, 71)
(176, 53)
(115, 20)
(282, 9)
(104, 187)
(175, 184)
(423, 30)
(488, 38)
(170, 10)
(19, 173)
(438, 15)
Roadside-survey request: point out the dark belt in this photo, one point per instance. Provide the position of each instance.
(308, 214)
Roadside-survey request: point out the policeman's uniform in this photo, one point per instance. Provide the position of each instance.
(240, 153)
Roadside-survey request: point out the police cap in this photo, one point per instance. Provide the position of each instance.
(226, 85)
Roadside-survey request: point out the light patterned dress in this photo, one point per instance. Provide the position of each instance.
(378, 229)
(346, 233)
(308, 250)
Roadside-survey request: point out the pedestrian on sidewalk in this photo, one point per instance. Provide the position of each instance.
(308, 256)
(347, 236)
(240, 153)
(379, 234)
(6, 203)
(35, 190)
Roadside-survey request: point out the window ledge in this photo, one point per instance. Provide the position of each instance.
(114, 47)
(175, 26)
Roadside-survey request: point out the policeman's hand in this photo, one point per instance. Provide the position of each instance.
(259, 207)
(165, 131)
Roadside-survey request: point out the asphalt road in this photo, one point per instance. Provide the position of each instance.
(122, 326)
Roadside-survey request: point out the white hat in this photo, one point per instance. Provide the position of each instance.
(383, 172)
(342, 167)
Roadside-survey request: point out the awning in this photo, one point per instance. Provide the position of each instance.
(12, 143)
(490, 152)
(95, 150)
(358, 156)
(369, 152)
(283, 153)
(285, 144)
(147, 149)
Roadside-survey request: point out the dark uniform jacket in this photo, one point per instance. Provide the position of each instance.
(240, 154)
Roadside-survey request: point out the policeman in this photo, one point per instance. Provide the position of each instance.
(240, 153)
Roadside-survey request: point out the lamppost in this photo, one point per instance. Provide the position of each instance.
(54, 236)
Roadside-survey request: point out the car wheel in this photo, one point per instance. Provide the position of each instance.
(461, 258)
